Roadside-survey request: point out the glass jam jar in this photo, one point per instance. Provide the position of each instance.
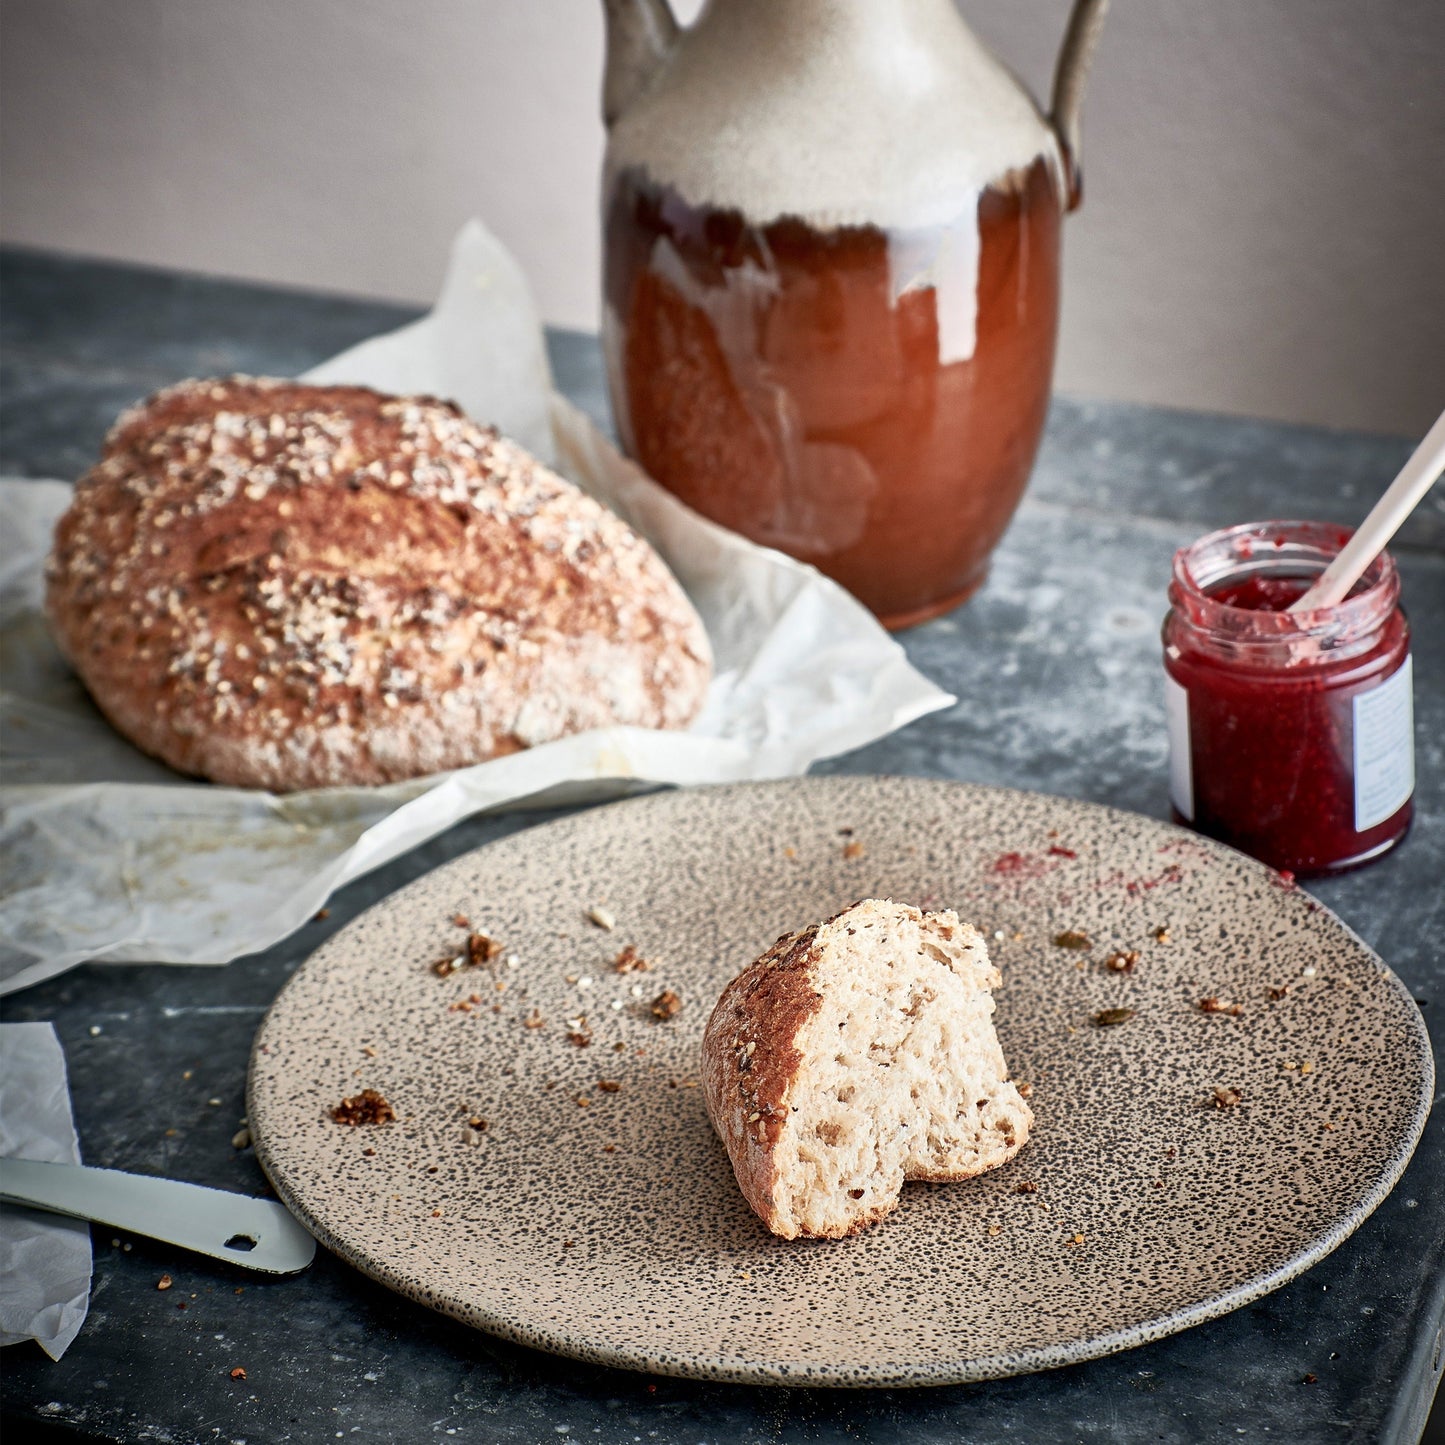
(1290, 734)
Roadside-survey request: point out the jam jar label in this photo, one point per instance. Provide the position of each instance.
(1181, 766)
(1384, 749)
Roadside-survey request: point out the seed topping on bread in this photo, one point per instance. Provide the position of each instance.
(281, 585)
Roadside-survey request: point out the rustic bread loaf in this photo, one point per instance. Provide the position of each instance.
(287, 586)
(856, 1054)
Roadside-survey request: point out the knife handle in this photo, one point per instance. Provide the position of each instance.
(256, 1234)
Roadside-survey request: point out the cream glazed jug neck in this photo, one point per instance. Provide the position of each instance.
(839, 112)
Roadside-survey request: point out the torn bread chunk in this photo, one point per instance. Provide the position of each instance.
(856, 1054)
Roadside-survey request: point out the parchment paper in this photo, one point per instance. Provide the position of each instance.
(44, 1258)
(108, 856)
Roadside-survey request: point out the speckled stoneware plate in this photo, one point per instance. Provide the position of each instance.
(604, 1222)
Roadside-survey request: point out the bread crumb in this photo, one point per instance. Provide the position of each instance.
(164, 1282)
(1275, 992)
(995, 1230)
(533, 1020)
(1026, 1186)
(1074, 938)
(1123, 961)
(630, 961)
(460, 920)
(482, 949)
(666, 1005)
(852, 849)
(1161, 935)
(1026, 1089)
(609, 1086)
(1220, 1006)
(238, 1373)
(367, 1107)
(1226, 1098)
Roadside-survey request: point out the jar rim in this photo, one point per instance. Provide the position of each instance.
(1278, 549)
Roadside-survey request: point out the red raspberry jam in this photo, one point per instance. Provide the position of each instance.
(1290, 734)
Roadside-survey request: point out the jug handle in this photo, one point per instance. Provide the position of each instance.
(1070, 77)
(640, 36)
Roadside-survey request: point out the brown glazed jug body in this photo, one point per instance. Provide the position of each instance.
(831, 278)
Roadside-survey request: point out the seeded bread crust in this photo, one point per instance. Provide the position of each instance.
(284, 586)
(764, 1006)
(752, 1065)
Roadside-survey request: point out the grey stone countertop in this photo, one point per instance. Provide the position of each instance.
(1056, 663)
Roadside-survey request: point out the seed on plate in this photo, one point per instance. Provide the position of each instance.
(1108, 1017)
(1074, 938)
(602, 917)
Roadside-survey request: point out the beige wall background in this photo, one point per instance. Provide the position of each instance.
(1263, 230)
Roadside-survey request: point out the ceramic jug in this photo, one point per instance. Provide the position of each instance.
(831, 277)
